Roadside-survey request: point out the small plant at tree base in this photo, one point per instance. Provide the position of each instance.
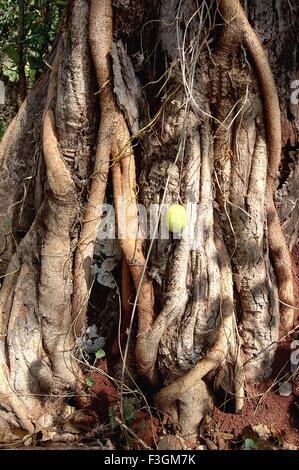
(249, 444)
(128, 412)
(100, 354)
(89, 381)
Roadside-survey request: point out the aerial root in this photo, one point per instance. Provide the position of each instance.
(115, 148)
(188, 398)
(235, 17)
(126, 308)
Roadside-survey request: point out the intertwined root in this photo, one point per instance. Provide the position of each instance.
(37, 367)
(196, 336)
(114, 145)
(187, 399)
(36, 349)
(235, 16)
(253, 278)
(115, 148)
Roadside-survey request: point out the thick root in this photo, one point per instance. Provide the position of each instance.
(188, 399)
(100, 38)
(114, 141)
(236, 18)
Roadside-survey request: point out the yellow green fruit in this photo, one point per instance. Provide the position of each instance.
(176, 218)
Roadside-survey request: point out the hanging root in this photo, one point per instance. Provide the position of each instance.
(206, 296)
(235, 17)
(100, 38)
(126, 308)
(115, 142)
(149, 338)
(35, 343)
(54, 297)
(124, 191)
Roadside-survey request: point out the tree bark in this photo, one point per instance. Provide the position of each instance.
(21, 40)
(176, 102)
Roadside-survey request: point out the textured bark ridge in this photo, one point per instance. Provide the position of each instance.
(36, 316)
(221, 144)
(177, 103)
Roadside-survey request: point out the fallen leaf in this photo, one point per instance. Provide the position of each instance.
(222, 444)
(202, 447)
(170, 442)
(210, 444)
(262, 431)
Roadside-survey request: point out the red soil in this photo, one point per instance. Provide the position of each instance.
(145, 427)
(102, 393)
(274, 411)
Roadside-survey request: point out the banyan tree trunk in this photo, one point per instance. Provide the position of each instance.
(174, 102)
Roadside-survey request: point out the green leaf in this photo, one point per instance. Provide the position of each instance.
(6, 224)
(141, 426)
(2, 129)
(89, 382)
(11, 73)
(249, 444)
(32, 75)
(12, 53)
(100, 354)
(128, 412)
(113, 423)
